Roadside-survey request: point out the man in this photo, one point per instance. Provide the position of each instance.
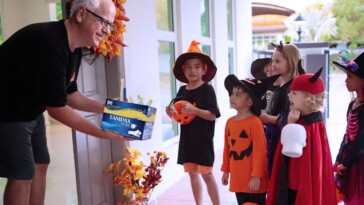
(38, 71)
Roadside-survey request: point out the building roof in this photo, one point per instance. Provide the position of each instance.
(268, 18)
(264, 8)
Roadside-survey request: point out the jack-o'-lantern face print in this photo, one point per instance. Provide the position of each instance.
(179, 116)
(241, 145)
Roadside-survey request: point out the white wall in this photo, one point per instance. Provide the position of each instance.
(244, 35)
(19, 13)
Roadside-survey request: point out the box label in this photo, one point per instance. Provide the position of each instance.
(128, 119)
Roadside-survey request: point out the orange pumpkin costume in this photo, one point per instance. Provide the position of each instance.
(245, 153)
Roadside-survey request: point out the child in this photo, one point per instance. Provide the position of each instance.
(196, 149)
(245, 147)
(262, 68)
(285, 61)
(305, 180)
(349, 164)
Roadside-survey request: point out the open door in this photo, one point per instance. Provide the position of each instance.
(99, 80)
(92, 155)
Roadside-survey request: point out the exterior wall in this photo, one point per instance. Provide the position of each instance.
(19, 13)
(142, 71)
(243, 41)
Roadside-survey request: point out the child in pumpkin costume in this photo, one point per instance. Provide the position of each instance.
(308, 179)
(196, 148)
(245, 147)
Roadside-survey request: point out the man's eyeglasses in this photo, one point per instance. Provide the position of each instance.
(104, 22)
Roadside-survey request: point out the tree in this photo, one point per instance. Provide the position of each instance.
(349, 20)
(59, 11)
(319, 23)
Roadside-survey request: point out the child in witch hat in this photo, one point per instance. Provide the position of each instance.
(349, 165)
(196, 148)
(308, 179)
(245, 147)
(262, 68)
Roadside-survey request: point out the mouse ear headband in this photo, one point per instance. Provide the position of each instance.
(280, 45)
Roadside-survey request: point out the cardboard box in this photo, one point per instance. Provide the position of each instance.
(128, 119)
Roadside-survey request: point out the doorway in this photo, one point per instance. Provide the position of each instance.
(61, 177)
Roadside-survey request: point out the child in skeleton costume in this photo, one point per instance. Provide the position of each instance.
(286, 61)
(262, 68)
(245, 147)
(308, 179)
(349, 165)
(196, 148)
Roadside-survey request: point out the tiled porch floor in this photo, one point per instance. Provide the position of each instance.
(181, 193)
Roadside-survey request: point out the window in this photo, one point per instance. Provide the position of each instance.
(55, 11)
(167, 43)
(167, 82)
(206, 33)
(59, 11)
(262, 41)
(206, 49)
(205, 17)
(231, 60)
(230, 32)
(230, 20)
(164, 15)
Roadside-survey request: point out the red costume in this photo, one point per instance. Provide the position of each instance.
(311, 175)
(309, 179)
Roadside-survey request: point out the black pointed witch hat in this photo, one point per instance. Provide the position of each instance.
(194, 52)
(257, 67)
(356, 67)
(255, 87)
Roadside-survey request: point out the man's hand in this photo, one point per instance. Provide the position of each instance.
(112, 135)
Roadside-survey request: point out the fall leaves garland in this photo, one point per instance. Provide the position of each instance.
(110, 45)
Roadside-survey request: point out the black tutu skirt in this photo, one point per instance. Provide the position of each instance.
(351, 184)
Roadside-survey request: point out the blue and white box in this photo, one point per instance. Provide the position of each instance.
(128, 119)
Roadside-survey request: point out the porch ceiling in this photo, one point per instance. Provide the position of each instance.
(264, 8)
(269, 18)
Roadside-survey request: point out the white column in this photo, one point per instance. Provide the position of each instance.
(188, 22)
(244, 34)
